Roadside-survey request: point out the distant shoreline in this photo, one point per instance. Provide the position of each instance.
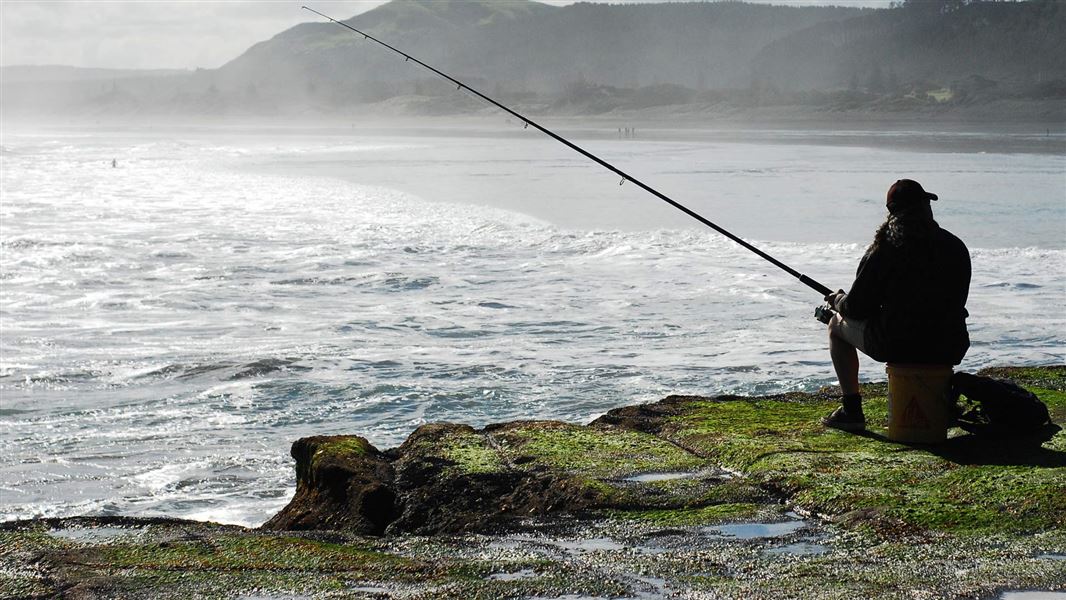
(949, 132)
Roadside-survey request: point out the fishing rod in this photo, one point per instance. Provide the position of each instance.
(818, 287)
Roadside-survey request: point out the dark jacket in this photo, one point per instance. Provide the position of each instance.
(914, 306)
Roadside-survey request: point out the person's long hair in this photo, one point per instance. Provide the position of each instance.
(910, 230)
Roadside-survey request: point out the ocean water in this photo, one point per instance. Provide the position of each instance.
(168, 327)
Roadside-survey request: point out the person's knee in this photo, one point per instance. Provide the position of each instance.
(835, 324)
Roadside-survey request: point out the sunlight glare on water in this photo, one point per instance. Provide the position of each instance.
(170, 326)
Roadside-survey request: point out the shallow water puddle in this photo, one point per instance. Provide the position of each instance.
(653, 477)
(751, 531)
(561, 548)
(517, 575)
(371, 589)
(800, 549)
(588, 545)
(1051, 556)
(1030, 595)
(570, 546)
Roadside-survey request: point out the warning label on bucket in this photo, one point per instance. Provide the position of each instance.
(913, 416)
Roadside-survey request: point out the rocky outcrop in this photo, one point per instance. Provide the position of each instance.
(443, 479)
(648, 418)
(342, 483)
(684, 454)
(449, 478)
(438, 493)
(969, 518)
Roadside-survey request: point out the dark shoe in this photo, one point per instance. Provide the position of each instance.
(845, 421)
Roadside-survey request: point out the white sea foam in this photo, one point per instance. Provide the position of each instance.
(172, 325)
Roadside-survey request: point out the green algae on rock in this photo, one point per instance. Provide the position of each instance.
(453, 478)
(611, 557)
(680, 517)
(590, 451)
(968, 484)
(646, 500)
(341, 483)
(448, 478)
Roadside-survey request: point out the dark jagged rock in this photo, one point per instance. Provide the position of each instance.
(969, 518)
(343, 483)
(445, 478)
(648, 418)
(681, 455)
(441, 492)
(449, 478)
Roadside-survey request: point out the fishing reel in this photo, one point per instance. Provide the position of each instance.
(824, 313)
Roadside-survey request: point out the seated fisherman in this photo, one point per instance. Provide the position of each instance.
(908, 301)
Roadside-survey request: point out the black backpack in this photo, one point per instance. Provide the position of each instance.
(997, 407)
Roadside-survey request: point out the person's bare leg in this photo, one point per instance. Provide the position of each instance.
(845, 360)
(845, 355)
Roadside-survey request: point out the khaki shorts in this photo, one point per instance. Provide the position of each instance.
(852, 331)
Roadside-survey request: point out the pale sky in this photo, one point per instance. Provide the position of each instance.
(176, 34)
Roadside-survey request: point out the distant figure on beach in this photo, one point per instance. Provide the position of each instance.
(908, 301)
(114, 163)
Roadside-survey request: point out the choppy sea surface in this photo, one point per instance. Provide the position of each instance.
(171, 324)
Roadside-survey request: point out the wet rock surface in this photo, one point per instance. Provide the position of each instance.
(690, 497)
(449, 478)
(775, 553)
(342, 483)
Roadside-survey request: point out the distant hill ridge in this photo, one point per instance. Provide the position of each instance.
(943, 40)
(594, 58)
(528, 45)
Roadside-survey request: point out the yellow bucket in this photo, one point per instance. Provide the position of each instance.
(918, 402)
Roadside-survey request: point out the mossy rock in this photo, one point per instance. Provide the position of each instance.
(1048, 377)
(453, 478)
(343, 483)
(968, 518)
(968, 484)
(589, 451)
